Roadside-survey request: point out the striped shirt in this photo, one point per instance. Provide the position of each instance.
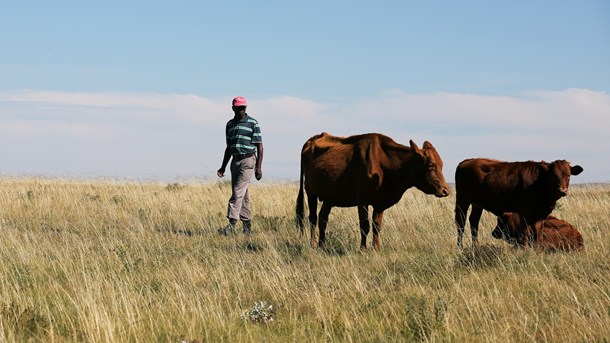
(242, 135)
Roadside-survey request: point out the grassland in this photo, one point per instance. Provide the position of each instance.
(105, 261)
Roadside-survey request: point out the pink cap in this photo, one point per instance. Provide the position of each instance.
(239, 101)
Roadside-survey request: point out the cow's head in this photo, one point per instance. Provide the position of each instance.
(429, 170)
(557, 176)
(509, 228)
(503, 228)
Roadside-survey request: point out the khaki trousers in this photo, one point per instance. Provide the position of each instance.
(241, 173)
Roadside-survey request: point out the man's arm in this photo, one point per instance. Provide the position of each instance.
(258, 172)
(225, 161)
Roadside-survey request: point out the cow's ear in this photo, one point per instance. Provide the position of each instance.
(414, 146)
(428, 145)
(576, 170)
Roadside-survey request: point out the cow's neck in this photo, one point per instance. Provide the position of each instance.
(402, 169)
(398, 176)
(538, 203)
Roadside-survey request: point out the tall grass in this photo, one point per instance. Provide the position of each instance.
(112, 262)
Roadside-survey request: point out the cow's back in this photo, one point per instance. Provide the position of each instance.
(476, 183)
(335, 168)
(558, 235)
(326, 157)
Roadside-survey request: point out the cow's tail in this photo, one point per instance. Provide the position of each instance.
(300, 210)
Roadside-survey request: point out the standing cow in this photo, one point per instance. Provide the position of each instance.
(530, 189)
(369, 169)
(552, 234)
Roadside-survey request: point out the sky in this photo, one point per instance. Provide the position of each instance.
(142, 89)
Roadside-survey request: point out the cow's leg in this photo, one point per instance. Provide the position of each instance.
(461, 209)
(323, 222)
(475, 217)
(365, 225)
(377, 219)
(312, 201)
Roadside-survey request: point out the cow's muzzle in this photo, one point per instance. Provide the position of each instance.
(443, 192)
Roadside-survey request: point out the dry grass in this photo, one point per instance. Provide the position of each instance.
(105, 262)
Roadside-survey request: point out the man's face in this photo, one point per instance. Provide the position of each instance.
(239, 110)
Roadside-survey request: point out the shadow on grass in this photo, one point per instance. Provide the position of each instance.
(485, 256)
(273, 223)
(26, 322)
(334, 246)
(185, 232)
(294, 250)
(253, 247)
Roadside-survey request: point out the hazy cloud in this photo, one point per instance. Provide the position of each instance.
(168, 135)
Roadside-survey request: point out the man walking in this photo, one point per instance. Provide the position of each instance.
(245, 150)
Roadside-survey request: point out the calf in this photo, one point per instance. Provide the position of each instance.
(550, 234)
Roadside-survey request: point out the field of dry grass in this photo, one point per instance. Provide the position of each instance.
(104, 261)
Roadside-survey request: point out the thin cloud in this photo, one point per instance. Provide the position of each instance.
(151, 106)
(183, 134)
(573, 109)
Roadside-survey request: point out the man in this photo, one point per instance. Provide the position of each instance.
(245, 150)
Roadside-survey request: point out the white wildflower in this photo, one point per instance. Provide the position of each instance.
(261, 313)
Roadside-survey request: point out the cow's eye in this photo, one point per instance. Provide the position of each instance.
(431, 167)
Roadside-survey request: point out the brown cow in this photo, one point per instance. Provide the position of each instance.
(551, 234)
(528, 188)
(369, 169)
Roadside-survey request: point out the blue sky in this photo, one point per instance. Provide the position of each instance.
(142, 89)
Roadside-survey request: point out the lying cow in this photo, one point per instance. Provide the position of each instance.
(528, 188)
(364, 170)
(550, 234)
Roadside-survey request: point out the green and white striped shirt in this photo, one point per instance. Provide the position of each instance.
(242, 135)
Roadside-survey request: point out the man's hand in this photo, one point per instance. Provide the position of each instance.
(221, 172)
(258, 173)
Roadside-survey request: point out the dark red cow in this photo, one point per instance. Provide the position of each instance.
(530, 189)
(363, 170)
(551, 234)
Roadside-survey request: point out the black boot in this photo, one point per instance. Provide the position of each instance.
(247, 227)
(227, 230)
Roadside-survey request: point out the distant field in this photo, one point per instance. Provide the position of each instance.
(141, 262)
